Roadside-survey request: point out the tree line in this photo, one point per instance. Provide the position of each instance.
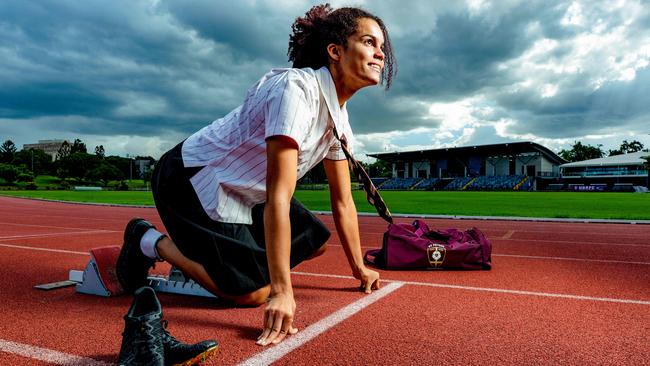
(580, 152)
(71, 161)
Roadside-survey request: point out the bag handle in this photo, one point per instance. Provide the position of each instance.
(421, 228)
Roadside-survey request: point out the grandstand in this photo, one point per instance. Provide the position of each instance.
(511, 166)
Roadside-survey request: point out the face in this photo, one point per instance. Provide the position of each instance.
(362, 62)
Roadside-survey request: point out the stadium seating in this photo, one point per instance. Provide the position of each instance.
(458, 183)
(399, 183)
(427, 184)
(495, 182)
(378, 181)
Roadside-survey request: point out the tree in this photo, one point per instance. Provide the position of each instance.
(580, 152)
(76, 165)
(125, 165)
(37, 160)
(64, 150)
(105, 172)
(7, 151)
(627, 147)
(78, 147)
(99, 151)
(380, 169)
(9, 173)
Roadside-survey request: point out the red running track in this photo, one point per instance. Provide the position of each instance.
(559, 293)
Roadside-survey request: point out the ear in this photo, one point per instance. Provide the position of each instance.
(334, 51)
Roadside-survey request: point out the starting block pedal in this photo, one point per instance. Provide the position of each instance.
(100, 278)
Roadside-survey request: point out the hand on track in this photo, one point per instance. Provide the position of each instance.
(278, 319)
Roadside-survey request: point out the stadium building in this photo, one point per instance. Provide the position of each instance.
(518, 166)
(616, 173)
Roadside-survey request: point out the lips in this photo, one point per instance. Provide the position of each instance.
(375, 67)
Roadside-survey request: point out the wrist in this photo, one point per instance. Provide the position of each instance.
(357, 268)
(281, 289)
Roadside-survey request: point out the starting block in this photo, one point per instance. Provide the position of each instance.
(100, 278)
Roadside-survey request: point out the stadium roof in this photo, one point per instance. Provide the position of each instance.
(509, 149)
(635, 158)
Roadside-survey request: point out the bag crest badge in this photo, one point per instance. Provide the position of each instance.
(436, 254)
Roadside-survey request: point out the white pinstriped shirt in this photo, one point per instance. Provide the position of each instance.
(299, 103)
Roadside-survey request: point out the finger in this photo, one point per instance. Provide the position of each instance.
(368, 287)
(275, 329)
(268, 328)
(293, 330)
(375, 285)
(264, 324)
(286, 327)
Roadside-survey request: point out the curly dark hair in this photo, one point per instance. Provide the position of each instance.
(323, 25)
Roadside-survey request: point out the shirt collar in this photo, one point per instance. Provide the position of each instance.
(328, 89)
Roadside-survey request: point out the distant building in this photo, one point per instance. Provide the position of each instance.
(51, 147)
(616, 172)
(524, 158)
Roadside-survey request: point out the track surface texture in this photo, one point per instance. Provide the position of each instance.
(558, 293)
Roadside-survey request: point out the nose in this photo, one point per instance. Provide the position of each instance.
(379, 54)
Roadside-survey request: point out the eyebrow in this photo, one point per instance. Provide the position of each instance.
(371, 36)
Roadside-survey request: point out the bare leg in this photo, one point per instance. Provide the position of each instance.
(169, 252)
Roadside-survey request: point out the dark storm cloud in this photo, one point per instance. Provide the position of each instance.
(90, 58)
(149, 68)
(459, 53)
(252, 30)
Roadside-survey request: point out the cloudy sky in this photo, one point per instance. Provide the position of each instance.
(140, 76)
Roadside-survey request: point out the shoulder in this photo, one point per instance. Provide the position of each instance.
(302, 81)
(304, 78)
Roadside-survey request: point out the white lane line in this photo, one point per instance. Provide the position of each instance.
(508, 235)
(569, 259)
(44, 249)
(489, 289)
(275, 353)
(50, 226)
(48, 355)
(55, 234)
(571, 242)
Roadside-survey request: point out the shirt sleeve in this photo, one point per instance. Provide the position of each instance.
(288, 109)
(335, 151)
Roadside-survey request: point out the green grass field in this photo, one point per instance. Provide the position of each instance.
(523, 204)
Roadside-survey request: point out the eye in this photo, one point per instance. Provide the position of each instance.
(369, 42)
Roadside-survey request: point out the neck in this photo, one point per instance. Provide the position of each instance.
(343, 90)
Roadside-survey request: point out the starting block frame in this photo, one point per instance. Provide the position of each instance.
(91, 281)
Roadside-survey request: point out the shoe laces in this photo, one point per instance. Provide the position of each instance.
(166, 336)
(145, 340)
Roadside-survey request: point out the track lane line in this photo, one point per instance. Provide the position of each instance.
(489, 289)
(569, 259)
(50, 226)
(274, 353)
(48, 355)
(13, 237)
(44, 249)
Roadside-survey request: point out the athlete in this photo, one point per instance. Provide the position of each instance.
(225, 193)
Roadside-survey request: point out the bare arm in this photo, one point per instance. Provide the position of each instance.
(345, 218)
(282, 161)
